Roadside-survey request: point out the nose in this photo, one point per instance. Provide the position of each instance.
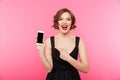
(64, 21)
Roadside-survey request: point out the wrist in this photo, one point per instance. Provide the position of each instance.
(69, 58)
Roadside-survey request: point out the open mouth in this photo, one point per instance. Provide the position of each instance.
(64, 26)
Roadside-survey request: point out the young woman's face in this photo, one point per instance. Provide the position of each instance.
(64, 22)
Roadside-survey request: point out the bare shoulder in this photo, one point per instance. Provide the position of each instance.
(47, 42)
(81, 42)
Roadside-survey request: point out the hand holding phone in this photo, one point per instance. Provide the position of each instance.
(40, 35)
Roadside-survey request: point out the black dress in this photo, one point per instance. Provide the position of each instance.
(62, 70)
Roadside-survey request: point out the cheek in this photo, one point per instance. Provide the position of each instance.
(70, 23)
(59, 22)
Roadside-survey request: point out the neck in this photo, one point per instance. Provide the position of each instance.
(64, 35)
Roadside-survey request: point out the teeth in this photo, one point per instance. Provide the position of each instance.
(64, 26)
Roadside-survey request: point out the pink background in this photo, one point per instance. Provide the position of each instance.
(98, 24)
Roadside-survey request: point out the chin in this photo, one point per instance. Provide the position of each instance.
(65, 32)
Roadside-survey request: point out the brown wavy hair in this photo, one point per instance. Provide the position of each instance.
(59, 13)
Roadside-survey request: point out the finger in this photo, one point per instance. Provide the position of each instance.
(43, 40)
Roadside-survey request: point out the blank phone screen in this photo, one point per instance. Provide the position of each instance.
(40, 37)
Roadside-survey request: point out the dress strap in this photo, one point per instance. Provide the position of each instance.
(52, 41)
(77, 41)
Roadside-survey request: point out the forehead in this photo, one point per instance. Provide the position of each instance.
(65, 14)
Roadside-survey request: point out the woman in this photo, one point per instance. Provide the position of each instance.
(59, 52)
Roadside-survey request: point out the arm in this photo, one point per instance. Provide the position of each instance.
(45, 54)
(83, 64)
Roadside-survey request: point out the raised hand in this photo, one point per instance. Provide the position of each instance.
(64, 55)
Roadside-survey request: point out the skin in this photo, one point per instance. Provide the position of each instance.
(65, 43)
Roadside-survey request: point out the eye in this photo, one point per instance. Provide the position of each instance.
(60, 19)
(69, 19)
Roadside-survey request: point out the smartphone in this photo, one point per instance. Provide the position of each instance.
(40, 35)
